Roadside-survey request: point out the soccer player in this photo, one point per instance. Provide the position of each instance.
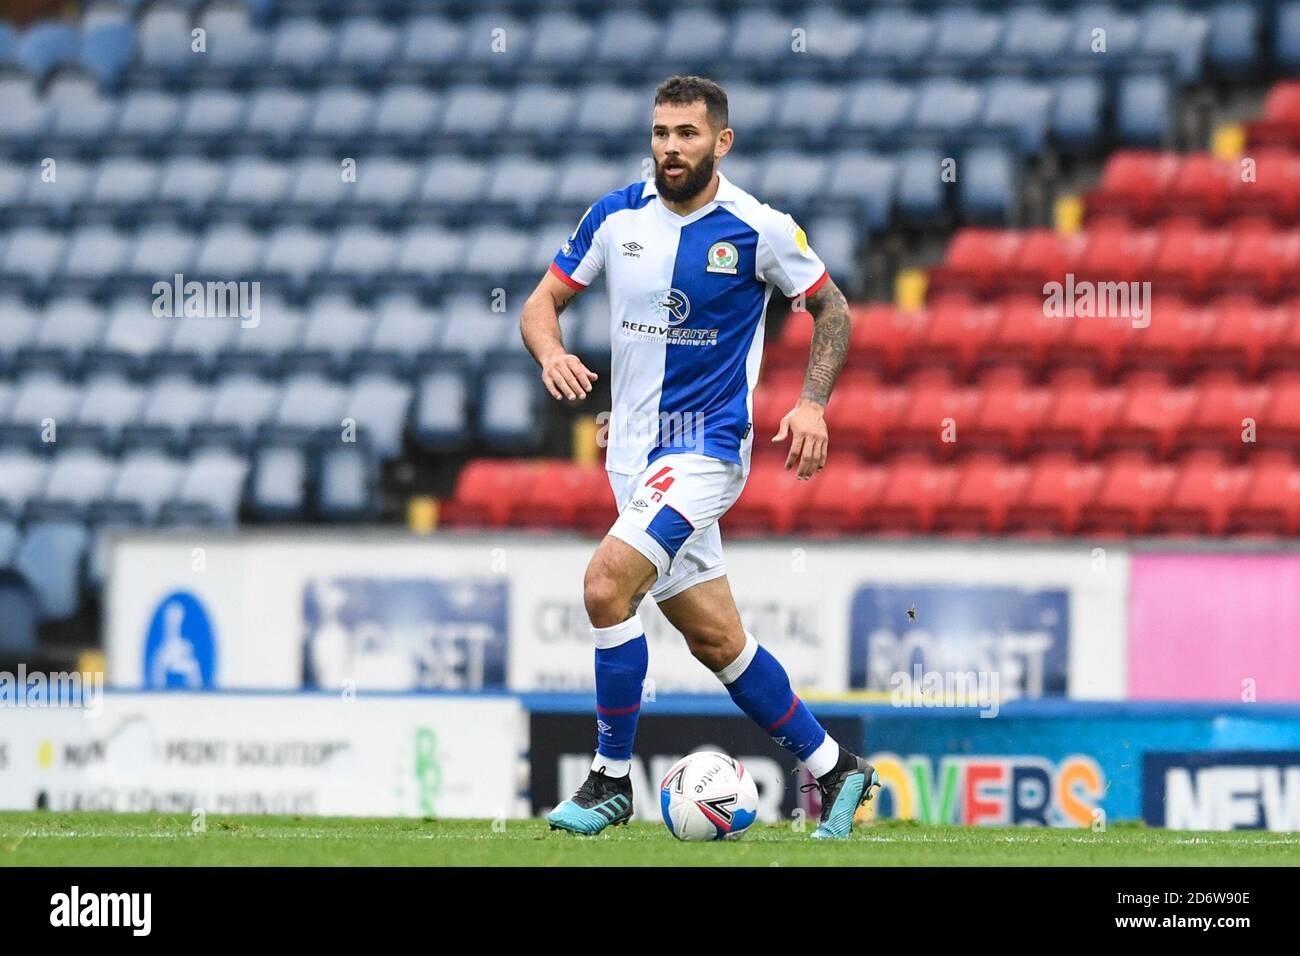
(691, 261)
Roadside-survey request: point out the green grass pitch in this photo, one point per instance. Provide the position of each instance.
(107, 839)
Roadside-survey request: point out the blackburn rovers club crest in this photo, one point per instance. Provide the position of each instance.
(723, 258)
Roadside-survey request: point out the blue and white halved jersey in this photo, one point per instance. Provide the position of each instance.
(687, 298)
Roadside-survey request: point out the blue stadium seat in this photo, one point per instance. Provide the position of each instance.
(278, 486)
(811, 111)
(1094, 25)
(694, 39)
(309, 404)
(31, 257)
(73, 326)
(161, 251)
(521, 184)
(1077, 112)
(791, 179)
(561, 39)
(431, 43)
(19, 615)
(405, 331)
(441, 417)
(50, 558)
(295, 254)
(626, 38)
(77, 478)
(133, 338)
(427, 255)
(228, 252)
(340, 116)
(473, 114)
(347, 483)
(865, 179)
(405, 116)
(234, 43)
(338, 327)
(18, 331)
(148, 117)
(319, 188)
(361, 256)
(496, 254)
(303, 46)
(212, 117)
(174, 405)
(880, 108)
(60, 189)
(385, 186)
(987, 184)
(920, 197)
(191, 186)
(1021, 106)
(40, 398)
(26, 118)
(593, 333)
(539, 115)
(966, 36)
(367, 45)
(896, 38)
(752, 109)
(82, 116)
(584, 179)
(380, 405)
(763, 37)
(836, 241)
(948, 108)
(107, 51)
(1179, 34)
(46, 47)
(123, 186)
(197, 344)
(211, 490)
(1286, 39)
(277, 117)
(240, 404)
(452, 183)
(257, 186)
(144, 482)
(1143, 110)
(510, 405)
(26, 475)
(8, 45)
(165, 42)
(1234, 38)
(1035, 36)
(483, 29)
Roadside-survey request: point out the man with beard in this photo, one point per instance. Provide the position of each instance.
(692, 261)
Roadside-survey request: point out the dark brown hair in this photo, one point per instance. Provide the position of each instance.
(683, 90)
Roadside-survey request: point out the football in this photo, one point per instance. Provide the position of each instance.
(708, 796)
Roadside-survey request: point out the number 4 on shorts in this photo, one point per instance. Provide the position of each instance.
(661, 480)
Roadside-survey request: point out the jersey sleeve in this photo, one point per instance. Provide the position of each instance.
(582, 256)
(785, 259)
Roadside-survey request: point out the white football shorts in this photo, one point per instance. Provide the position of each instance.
(670, 514)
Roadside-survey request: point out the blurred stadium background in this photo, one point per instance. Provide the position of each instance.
(397, 175)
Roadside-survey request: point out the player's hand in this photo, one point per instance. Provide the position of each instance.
(566, 377)
(807, 424)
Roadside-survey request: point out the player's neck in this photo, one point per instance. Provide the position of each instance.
(698, 201)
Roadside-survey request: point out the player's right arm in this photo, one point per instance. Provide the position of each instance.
(577, 263)
(563, 373)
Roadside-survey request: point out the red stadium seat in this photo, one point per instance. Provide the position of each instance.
(484, 491)
(1271, 503)
(839, 499)
(1217, 420)
(987, 488)
(599, 509)
(861, 417)
(767, 506)
(1046, 256)
(1189, 259)
(959, 331)
(1006, 418)
(1078, 419)
(1132, 183)
(1280, 428)
(1096, 340)
(882, 336)
(977, 260)
(1247, 334)
(1204, 187)
(1133, 490)
(1119, 256)
(1151, 420)
(1176, 331)
(1262, 263)
(555, 494)
(914, 490)
(1027, 334)
(1203, 495)
(935, 419)
(1058, 489)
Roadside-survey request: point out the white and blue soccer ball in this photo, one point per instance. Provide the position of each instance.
(708, 796)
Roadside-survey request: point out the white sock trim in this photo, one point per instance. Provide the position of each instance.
(613, 768)
(823, 760)
(629, 630)
(737, 667)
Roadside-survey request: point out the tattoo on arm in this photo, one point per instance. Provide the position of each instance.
(830, 342)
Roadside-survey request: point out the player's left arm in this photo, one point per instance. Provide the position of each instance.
(806, 422)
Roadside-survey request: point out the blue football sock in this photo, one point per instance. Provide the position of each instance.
(758, 684)
(622, 658)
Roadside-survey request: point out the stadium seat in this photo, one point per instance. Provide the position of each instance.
(50, 558)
